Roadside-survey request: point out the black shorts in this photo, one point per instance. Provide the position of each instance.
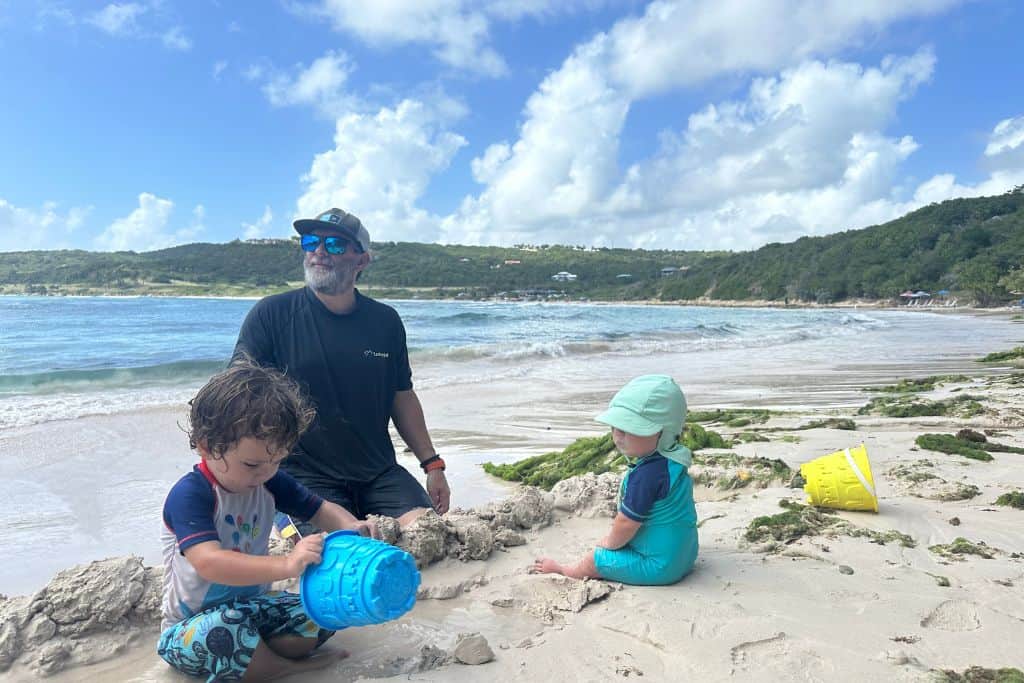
(393, 493)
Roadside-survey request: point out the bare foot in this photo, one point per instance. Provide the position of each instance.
(545, 565)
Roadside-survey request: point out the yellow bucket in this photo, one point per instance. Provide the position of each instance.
(841, 480)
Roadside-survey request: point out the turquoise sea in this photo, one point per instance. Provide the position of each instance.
(64, 358)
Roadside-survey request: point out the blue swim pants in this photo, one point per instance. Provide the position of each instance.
(627, 565)
(218, 643)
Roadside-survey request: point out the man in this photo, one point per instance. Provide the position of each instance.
(349, 353)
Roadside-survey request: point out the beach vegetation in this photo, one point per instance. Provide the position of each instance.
(1016, 353)
(1013, 499)
(588, 455)
(963, 405)
(977, 674)
(909, 386)
(960, 546)
(790, 438)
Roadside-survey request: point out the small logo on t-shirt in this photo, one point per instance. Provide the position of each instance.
(370, 353)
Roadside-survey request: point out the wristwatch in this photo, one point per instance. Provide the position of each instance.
(432, 463)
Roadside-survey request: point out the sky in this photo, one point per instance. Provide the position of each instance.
(673, 124)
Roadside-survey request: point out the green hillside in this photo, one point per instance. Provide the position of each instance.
(973, 247)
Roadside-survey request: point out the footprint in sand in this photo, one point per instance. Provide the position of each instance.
(953, 615)
(779, 658)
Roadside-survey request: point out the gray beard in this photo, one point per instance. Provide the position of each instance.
(331, 282)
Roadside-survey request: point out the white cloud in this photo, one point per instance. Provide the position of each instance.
(1006, 144)
(259, 228)
(148, 227)
(320, 85)
(458, 30)
(815, 128)
(176, 39)
(218, 69)
(24, 229)
(118, 19)
(234, 27)
(381, 165)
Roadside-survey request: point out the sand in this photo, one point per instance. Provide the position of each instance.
(833, 606)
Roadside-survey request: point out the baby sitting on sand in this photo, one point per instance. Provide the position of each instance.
(653, 539)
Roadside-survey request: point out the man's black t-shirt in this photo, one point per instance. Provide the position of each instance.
(349, 365)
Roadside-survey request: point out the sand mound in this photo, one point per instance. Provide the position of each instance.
(86, 614)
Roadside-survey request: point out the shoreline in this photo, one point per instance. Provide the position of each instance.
(867, 304)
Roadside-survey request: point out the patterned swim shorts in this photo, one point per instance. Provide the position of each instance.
(218, 643)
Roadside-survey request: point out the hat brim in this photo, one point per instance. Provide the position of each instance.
(626, 420)
(304, 226)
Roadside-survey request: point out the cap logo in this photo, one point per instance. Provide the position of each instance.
(330, 217)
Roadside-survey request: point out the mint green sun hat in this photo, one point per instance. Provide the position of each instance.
(647, 405)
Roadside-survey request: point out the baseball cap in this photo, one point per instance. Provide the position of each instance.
(336, 219)
(647, 405)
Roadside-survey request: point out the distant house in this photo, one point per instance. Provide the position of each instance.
(463, 260)
(624, 276)
(563, 276)
(512, 262)
(668, 271)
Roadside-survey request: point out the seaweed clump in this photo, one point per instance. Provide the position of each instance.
(977, 674)
(798, 521)
(909, 386)
(1000, 356)
(596, 455)
(1014, 499)
(960, 546)
(967, 443)
(904, 405)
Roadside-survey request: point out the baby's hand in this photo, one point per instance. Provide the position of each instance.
(306, 552)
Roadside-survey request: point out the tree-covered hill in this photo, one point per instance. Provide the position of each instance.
(974, 247)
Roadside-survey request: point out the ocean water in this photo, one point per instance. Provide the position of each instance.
(63, 358)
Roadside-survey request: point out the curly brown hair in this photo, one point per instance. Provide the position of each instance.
(248, 400)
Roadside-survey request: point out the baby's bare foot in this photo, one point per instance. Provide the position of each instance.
(545, 565)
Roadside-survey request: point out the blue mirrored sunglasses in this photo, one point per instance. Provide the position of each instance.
(332, 245)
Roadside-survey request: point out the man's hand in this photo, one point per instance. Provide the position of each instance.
(437, 489)
(364, 528)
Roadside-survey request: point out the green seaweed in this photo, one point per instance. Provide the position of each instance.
(960, 546)
(1014, 499)
(696, 438)
(588, 454)
(964, 405)
(977, 674)
(883, 537)
(728, 415)
(999, 356)
(967, 447)
(909, 386)
(749, 437)
(830, 423)
(945, 443)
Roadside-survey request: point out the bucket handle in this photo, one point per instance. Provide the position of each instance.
(860, 475)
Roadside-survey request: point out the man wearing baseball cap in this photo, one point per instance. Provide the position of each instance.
(349, 354)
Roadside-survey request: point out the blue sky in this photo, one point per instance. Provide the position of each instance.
(686, 124)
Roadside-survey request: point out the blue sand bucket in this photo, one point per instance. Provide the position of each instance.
(359, 581)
